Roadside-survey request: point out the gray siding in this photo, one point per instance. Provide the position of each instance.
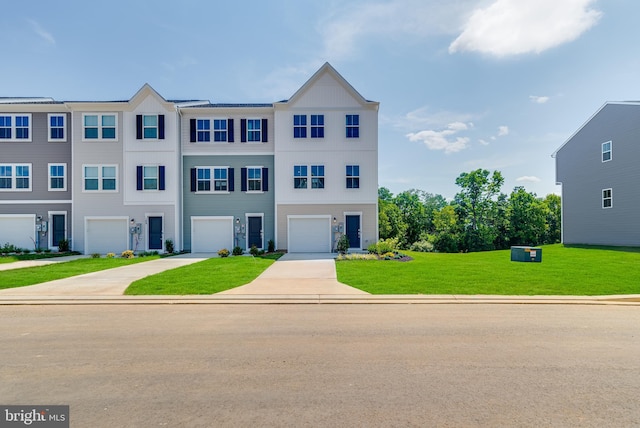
(39, 210)
(236, 203)
(583, 175)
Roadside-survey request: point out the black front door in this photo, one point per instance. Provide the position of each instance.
(155, 233)
(353, 230)
(255, 232)
(57, 229)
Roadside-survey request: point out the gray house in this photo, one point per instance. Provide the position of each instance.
(598, 168)
(35, 163)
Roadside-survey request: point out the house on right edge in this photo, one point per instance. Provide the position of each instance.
(326, 166)
(599, 170)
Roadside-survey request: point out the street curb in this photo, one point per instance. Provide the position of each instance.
(262, 299)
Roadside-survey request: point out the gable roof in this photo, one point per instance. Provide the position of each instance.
(328, 69)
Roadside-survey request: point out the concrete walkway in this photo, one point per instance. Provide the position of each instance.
(40, 262)
(109, 282)
(298, 274)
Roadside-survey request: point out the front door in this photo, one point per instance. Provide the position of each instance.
(155, 233)
(353, 230)
(57, 228)
(254, 237)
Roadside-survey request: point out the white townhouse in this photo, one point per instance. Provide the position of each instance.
(326, 166)
(126, 171)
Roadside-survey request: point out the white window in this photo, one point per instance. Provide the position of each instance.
(317, 176)
(57, 177)
(607, 198)
(254, 179)
(220, 130)
(203, 130)
(254, 130)
(606, 151)
(99, 127)
(299, 176)
(220, 179)
(15, 177)
(150, 178)
(150, 127)
(100, 178)
(212, 179)
(353, 176)
(15, 127)
(56, 127)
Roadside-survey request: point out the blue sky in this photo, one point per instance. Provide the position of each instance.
(462, 84)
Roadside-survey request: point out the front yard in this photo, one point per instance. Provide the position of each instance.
(582, 271)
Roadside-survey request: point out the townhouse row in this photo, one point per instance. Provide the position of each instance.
(117, 175)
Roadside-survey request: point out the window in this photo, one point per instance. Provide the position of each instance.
(353, 126)
(15, 177)
(204, 180)
(353, 176)
(15, 127)
(203, 130)
(299, 126)
(57, 177)
(150, 178)
(99, 127)
(300, 177)
(56, 127)
(254, 179)
(220, 130)
(317, 176)
(317, 126)
(99, 177)
(220, 179)
(254, 130)
(607, 198)
(150, 127)
(606, 151)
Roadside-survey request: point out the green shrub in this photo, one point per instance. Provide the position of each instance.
(110, 255)
(253, 250)
(95, 255)
(26, 250)
(47, 250)
(384, 246)
(63, 245)
(237, 251)
(343, 244)
(223, 253)
(422, 246)
(168, 246)
(128, 254)
(38, 250)
(271, 246)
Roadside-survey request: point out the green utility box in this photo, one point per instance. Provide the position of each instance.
(526, 254)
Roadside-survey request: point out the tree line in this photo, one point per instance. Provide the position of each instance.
(479, 218)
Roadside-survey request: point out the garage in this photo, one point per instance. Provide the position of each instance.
(18, 230)
(309, 234)
(211, 234)
(106, 235)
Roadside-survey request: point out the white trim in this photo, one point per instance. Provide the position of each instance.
(247, 130)
(64, 177)
(246, 222)
(50, 215)
(99, 126)
(157, 127)
(206, 217)
(310, 216)
(353, 213)
(88, 218)
(64, 128)
(609, 198)
(37, 201)
(14, 177)
(147, 240)
(14, 128)
(212, 180)
(99, 178)
(610, 151)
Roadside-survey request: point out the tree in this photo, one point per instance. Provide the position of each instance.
(385, 194)
(414, 215)
(553, 204)
(390, 221)
(446, 237)
(527, 218)
(475, 206)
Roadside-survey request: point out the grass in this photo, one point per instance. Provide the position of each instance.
(36, 275)
(570, 270)
(206, 277)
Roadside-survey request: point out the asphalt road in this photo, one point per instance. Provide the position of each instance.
(325, 365)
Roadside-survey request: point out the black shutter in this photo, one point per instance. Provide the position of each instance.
(139, 177)
(243, 179)
(194, 183)
(161, 128)
(230, 130)
(138, 127)
(265, 131)
(161, 178)
(243, 130)
(265, 179)
(192, 130)
(231, 179)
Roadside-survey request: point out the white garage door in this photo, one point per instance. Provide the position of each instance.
(210, 234)
(18, 230)
(106, 235)
(309, 235)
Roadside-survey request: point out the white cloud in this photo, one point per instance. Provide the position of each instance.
(423, 117)
(483, 142)
(44, 34)
(529, 179)
(512, 27)
(503, 130)
(442, 139)
(538, 100)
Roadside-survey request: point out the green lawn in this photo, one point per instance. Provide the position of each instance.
(8, 259)
(563, 271)
(206, 277)
(35, 275)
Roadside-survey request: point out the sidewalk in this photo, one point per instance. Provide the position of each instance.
(40, 262)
